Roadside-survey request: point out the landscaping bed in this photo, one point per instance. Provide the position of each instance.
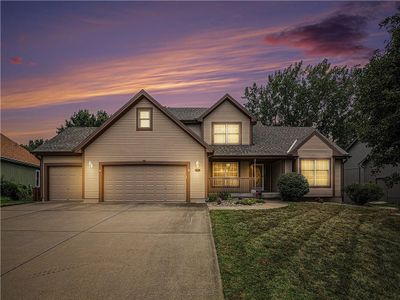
(309, 251)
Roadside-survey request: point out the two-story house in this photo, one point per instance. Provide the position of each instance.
(148, 152)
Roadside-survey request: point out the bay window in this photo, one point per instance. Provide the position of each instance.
(225, 174)
(317, 171)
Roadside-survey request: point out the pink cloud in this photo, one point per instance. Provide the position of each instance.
(16, 60)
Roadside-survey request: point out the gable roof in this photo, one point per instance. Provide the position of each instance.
(137, 98)
(11, 151)
(339, 151)
(65, 141)
(187, 113)
(229, 98)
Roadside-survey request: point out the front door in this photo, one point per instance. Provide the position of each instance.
(260, 177)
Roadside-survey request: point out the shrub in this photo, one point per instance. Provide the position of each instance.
(212, 197)
(15, 191)
(247, 201)
(363, 193)
(224, 195)
(292, 186)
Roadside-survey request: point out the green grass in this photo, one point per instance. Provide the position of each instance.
(309, 251)
(6, 201)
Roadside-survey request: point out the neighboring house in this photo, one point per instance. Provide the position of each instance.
(358, 169)
(18, 164)
(147, 152)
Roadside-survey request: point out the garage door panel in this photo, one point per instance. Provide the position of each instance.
(144, 183)
(65, 183)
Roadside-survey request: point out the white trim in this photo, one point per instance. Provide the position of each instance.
(291, 147)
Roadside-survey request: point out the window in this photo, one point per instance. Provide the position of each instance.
(316, 171)
(144, 119)
(226, 133)
(37, 178)
(225, 174)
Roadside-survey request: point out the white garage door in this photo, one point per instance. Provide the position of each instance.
(65, 183)
(144, 183)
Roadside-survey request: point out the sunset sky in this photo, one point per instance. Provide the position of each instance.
(60, 57)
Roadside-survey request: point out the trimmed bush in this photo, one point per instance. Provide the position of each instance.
(224, 195)
(246, 201)
(363, 193)
(292, 186)
(212, 197)
(15, 191)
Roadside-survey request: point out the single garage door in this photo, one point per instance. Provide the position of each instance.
(144, 183)
(65, 183)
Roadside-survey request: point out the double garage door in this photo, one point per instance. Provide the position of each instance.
(123, 183)
(144, 183)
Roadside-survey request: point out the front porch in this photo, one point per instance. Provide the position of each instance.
(244, 177)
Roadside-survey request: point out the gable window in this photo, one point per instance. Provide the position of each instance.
(144, 118)
(227, 133)
(225, 174)
(317, 172)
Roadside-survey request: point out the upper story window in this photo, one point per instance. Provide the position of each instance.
(144, 118)
(317, 171)
(226, 133)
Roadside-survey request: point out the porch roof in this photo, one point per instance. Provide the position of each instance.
(267, 141)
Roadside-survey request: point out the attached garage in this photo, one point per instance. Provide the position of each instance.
(145, 182)
(64, 182)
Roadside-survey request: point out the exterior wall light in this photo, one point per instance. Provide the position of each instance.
(197, 169)
(90, 164)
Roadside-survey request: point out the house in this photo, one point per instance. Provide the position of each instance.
(358, 169)
(18, 164)
(147, 152)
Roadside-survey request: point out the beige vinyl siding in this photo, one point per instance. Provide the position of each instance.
(315, 148)
(338, 176)
(227, 112)
(196, 128)
(166, 142)
(64, 159)
(288, 166)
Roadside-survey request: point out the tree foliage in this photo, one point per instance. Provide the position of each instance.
(83, 118)
(378, 102)
(33, 144)
(321, 96)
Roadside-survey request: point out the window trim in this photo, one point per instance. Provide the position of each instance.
(37, 178)
(226, 123)
(138, 110)
(329, 170)
(225, 177)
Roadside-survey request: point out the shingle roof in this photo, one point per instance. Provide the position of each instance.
(67, 140)
(268, 140)
(11, 150)
(187, 113)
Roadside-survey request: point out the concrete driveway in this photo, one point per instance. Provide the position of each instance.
(107, 251)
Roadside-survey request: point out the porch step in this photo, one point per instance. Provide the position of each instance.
(272, 195)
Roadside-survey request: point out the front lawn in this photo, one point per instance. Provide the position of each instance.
(6, 201)
(309, 251)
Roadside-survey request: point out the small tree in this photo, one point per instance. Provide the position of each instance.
(363, 193)
(293, 186)
(83, 118)
(33, 144)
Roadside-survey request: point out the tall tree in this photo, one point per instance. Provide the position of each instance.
(378, 102)
(83, 118)
(321, 96)
(33, 144)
